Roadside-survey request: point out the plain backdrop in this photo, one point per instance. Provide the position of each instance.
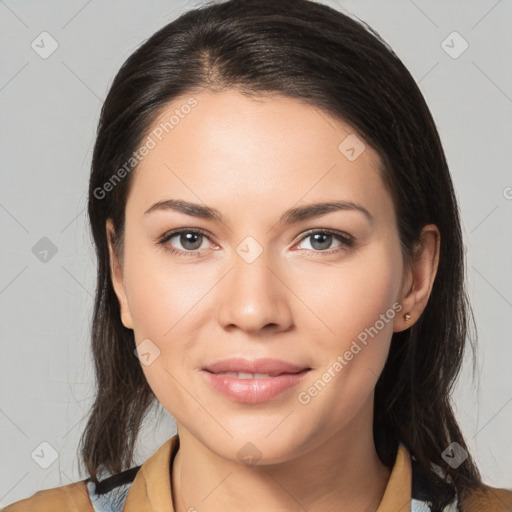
(49, 108)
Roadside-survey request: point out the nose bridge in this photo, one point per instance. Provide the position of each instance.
(251, 267)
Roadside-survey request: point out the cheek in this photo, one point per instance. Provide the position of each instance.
(164, 305)
(163, 295)
(351, 297)
(167, 303)
(358, 301)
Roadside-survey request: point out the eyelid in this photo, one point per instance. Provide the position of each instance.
(327, 231)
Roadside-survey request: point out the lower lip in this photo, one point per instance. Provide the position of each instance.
(253, 391)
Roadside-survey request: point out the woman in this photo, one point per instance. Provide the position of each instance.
(281, 268)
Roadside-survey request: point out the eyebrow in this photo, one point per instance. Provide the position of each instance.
(291, 216)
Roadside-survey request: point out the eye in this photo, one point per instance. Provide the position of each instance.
(322, 240)
(190, 239)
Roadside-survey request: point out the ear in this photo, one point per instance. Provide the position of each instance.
(419, 277)
(116, 273)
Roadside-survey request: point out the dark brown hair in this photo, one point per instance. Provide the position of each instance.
(313, 53)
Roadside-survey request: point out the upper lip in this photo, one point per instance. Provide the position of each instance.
(262, 365)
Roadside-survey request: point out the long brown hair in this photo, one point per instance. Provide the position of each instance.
(311, 52)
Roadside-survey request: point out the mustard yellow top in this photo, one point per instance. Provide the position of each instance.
(150, 491)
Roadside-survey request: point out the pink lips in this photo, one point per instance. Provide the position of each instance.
(262, 365)
(282, 376)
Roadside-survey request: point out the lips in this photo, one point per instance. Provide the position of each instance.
(253, 382)
(245, 368)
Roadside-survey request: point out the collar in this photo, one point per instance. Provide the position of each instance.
(151, 488)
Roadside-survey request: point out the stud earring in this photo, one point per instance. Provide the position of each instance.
(407, 317)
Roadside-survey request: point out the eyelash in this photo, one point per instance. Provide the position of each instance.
(347, 241)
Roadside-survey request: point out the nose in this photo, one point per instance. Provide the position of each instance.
(254, 296)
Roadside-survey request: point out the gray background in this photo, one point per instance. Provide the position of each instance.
(49, 110)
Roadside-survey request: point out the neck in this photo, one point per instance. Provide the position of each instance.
(341, 472)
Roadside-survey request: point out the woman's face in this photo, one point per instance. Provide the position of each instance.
(261, 283)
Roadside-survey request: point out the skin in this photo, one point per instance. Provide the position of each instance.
(253, 159)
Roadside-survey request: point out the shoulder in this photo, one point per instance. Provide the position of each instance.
(484, 499)
(84, 496)
(71, 498)
(110, 494)
(491, 499)
(107, 495)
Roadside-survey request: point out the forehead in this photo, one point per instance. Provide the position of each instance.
(230, 149)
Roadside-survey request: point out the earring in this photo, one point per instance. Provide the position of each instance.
(407, 317)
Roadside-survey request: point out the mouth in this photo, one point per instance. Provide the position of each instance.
(246, 375)
(267, 380)
(254, 368)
